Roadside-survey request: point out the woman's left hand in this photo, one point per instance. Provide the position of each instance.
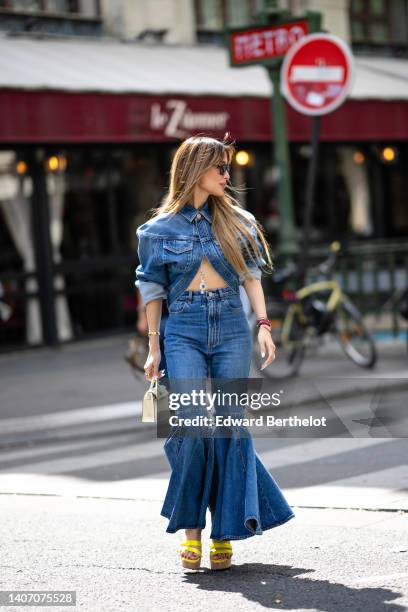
(266, 345)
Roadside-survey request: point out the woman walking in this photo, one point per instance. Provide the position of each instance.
(195, 252)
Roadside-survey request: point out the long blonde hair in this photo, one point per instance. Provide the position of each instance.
(230, 220)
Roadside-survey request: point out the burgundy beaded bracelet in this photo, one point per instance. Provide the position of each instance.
(263, 321)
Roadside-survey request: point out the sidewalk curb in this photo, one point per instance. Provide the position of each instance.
(305, 506)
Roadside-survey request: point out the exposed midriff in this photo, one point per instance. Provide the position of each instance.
(213, 280)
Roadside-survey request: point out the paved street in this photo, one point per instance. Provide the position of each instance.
(81, 489)
(115, 555)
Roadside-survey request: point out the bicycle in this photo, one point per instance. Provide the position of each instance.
(300, 320)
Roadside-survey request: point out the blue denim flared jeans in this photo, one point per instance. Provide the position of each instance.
(208, 336)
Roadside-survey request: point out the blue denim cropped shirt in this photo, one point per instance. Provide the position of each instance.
(170, 250)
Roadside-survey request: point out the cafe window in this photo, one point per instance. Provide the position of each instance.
(212, 16)
(21, 5)
(89, 8)
(379, 24)
(63, 6)
(59, 17)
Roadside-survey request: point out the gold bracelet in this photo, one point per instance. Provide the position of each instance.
(153, 333)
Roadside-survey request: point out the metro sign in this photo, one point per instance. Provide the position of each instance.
(266, 44)
(317, 74)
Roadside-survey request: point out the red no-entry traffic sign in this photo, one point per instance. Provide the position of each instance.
(317, 74)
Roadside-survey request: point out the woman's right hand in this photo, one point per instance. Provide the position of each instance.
(151, 366)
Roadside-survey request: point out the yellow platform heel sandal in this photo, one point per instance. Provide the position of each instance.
(220, 547)
(195, 547)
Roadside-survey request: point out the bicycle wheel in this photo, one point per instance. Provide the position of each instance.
(354, 337)
(289, 354)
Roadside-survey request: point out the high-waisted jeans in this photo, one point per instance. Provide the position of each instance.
(207, 335)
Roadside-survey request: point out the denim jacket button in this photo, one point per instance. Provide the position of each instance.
(198, 215)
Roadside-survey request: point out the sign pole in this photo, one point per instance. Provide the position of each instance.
(266, 43)
(309, 201)
(287, 244)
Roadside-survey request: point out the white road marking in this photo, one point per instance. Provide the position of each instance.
(78, 416)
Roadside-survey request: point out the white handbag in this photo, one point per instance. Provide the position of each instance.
(156, 399)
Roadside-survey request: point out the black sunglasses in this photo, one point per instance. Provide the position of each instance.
(223, 168)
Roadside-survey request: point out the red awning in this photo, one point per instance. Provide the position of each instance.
(61, 117)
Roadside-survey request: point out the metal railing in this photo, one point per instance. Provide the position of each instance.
(373, 275)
